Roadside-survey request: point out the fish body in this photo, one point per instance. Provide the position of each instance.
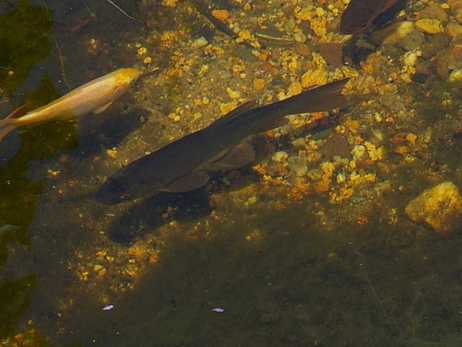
(95, 96)
(183, 164)
(360, 15)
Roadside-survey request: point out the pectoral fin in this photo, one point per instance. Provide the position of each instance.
(187, 183)
(102, 108)
(241, 155)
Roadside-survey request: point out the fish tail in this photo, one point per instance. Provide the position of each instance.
(17, 112)
(323, 98)
(6, 126)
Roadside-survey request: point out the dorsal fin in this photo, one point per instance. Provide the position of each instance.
(248, 105)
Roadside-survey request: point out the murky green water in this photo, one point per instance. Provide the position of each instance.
(314, 245)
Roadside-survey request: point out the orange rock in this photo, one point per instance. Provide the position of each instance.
(401, 150)
(362, 220)
(222, 15)
(258, 84)
(398, 138)
(322, 186)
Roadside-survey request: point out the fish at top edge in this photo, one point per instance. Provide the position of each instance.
(186, 158)
(359, 15)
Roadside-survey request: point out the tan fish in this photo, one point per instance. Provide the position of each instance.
(95, 96)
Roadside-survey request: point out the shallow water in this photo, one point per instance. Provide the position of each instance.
(311, 246)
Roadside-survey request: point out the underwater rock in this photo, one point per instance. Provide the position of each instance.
(413, 41)
(200, 42)
(280, 156)
(358, 152)
(454, 30)
(403, 34)
(313, 78)
(439, 207)
(429, 26)
(394, 33)
(455, 76)
(298, 166)
(434, 11)
(456, 9)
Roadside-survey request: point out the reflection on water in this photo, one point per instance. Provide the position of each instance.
(315, 244)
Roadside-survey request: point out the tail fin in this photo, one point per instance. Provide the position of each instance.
(6, 126)
(324, 98)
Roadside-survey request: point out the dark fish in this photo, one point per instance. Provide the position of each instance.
(361, 15)
(185, 164)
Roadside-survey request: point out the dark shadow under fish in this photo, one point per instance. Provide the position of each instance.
(184, 165)
(148, 214)
(151, 213)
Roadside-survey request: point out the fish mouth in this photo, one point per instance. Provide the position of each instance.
(344, 29)
(111, 193)
(150, 73)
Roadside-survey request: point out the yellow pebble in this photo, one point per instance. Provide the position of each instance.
(245, 35)
(169, 3)
(233, 94)
(112, 153)
(294, 89)
(227, 107)
(429, 26)
(411, 138)
(314, 77)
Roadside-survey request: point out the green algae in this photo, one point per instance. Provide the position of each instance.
(19, 192)
(24, 41)
(14, 299)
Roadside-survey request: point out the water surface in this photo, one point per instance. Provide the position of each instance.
(309, 247)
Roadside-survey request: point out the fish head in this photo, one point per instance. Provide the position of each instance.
(121, 80)
(126, 76)
(112, 192)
